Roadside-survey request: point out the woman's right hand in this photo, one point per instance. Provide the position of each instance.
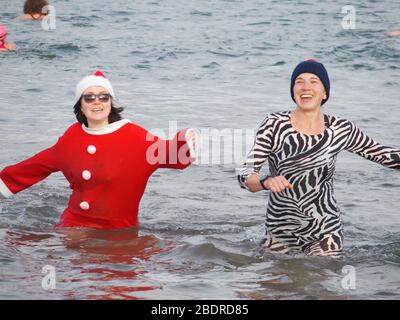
(277, 184)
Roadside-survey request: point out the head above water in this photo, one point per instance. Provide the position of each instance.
(34, 6)
(96, 83)
(314, 67)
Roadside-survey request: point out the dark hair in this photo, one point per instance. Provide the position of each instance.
(112, 117)
(34, 6)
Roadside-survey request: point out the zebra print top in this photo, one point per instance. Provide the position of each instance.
(308, 212)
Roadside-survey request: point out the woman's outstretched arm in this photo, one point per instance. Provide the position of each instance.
(177, 153)
(17, 177)
(358, 142)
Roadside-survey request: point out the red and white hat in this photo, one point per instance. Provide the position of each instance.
(98, 79)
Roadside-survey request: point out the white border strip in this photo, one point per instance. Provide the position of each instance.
(4, 190)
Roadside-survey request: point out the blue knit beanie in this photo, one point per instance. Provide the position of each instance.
(314, 67)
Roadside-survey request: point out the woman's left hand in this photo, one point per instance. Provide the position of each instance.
(192, 137)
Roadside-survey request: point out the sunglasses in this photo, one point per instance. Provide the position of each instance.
(90, 98)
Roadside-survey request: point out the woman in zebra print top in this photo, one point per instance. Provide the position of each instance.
(301, 147)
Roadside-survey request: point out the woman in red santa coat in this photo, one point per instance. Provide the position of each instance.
(106, 159)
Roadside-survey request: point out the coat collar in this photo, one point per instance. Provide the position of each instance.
(110, 128)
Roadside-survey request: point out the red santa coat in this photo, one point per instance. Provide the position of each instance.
(107, 169)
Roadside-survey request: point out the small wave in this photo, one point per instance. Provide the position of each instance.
(381, 252)
(84, 18)
(167, 55)
(200, 13)
(90, 46)
(122, 13)
(40, 53)
(208, 252)
(83, 25)
(83, 21)
(65, 47)
(34, 90)
(279, 63)
(7, 15)
(385, 56)
(389, 185)
(259, 23)
(226, 54)
(137, 53)
(211, 65)
(359, 66)
(143, 65)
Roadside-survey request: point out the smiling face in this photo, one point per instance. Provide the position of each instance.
(309, 92)
(96, 112)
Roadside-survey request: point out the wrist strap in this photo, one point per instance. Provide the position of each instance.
(262, 182)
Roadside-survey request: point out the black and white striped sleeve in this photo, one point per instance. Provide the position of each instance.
(359, 143)
(259, 153)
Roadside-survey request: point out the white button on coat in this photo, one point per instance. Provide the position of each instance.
(84, 205)
(86, 174)
(91, 149)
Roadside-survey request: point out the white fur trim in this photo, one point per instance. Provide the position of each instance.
(93, 81)
(110, 128)
(4, 191)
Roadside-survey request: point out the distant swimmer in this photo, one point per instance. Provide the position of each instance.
(301, 147)
(4, 45)
(395, 33)
(33, 10)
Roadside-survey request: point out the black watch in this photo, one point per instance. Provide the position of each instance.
(262, 180)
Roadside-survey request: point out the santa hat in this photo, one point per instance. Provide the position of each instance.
(98, 79)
